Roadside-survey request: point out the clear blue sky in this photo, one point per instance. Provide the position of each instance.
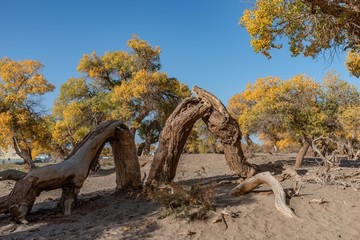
(201, 42)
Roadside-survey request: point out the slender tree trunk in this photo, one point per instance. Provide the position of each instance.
(140, 148)
(301, 154)
(148, 141)
(26, 157)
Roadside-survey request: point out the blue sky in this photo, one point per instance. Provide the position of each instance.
(201, 42)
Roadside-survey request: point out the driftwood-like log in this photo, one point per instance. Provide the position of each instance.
(225, 127)
(71, 174)
(173, 138)
(12, 175)
(267, 178)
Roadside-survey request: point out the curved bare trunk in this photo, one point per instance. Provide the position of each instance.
(173, 138)
(178, 127)
(70, 175)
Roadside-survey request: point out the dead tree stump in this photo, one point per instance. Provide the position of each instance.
(70, 175)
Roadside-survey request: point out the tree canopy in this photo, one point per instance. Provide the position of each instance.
(296, 110)
(117, 85)
(310, 27)
(21, 113)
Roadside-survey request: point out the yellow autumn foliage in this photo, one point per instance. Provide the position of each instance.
(21, 83)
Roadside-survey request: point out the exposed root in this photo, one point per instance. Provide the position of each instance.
(267, 178)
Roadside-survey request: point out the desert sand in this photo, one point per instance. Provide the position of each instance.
(324, 211)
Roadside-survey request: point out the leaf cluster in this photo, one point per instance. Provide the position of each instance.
(311, 27)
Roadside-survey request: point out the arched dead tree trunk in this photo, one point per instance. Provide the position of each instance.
(71, 174)
(178, 127)
(173, 138)
(225, 127)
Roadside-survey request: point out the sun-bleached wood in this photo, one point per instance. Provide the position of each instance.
(265, 178)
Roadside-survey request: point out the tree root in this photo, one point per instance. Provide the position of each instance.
(267, 178)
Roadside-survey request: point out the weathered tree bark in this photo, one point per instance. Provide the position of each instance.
(301, 154)
(126, 160)
(70, 174)
(267, 178)
(178, 127)
(26, 157)
(225, 127)
(173, 138)
(140, 148)
(12, 175)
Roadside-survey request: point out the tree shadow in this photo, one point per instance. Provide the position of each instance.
(102, 172)
(222, 199)
(349, 163)
(99, 214)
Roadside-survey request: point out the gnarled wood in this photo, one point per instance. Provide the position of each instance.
(267, 178)
(179, 125)
(70, 174)
(225, 127)
(173, 138)
(12, 175)
(126, 160)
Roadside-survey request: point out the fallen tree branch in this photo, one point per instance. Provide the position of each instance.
(11, 174)
(267, 178)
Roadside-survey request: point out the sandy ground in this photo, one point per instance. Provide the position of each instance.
(104, 215)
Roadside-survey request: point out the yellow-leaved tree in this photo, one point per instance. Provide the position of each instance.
(122, 85)
(310, 27)
(22, 119)
(297, 110)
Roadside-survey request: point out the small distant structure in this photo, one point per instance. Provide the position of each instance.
(9, 156)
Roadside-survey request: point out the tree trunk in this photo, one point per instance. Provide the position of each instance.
(126, 161)
(26, 157)
(301, 154)
(178, 127)
(140, 148)
(173, 138)
(225, 127)
(148, 141)
(71, 174)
